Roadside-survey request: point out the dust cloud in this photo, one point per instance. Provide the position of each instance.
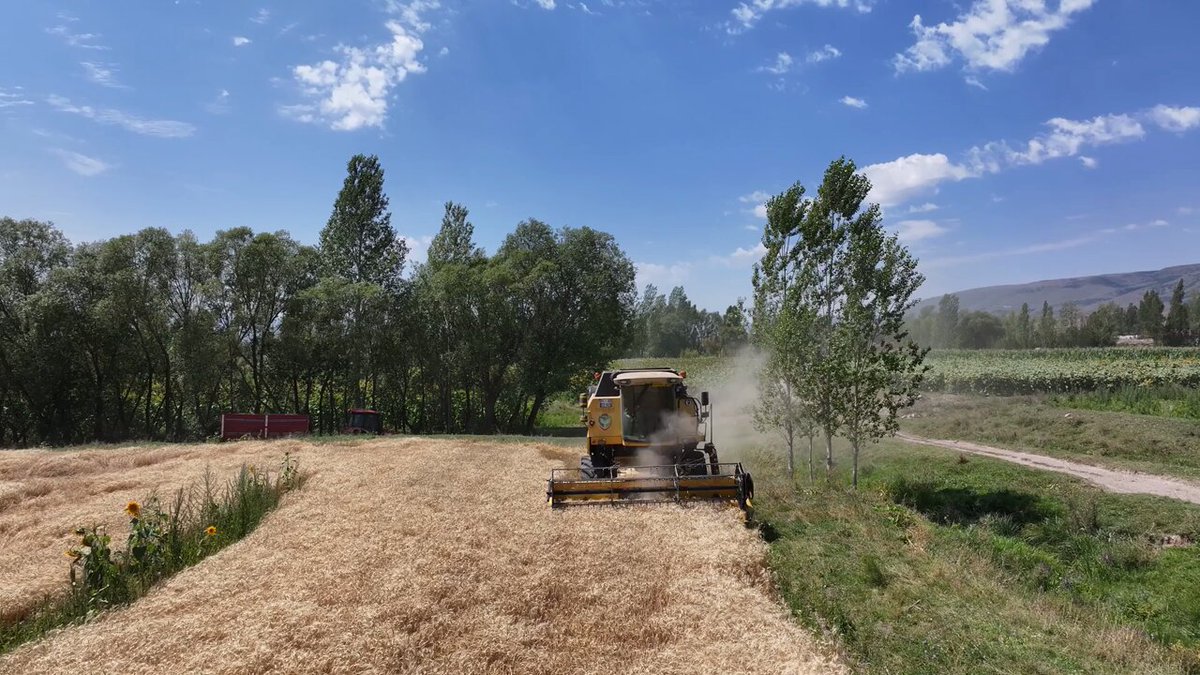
(733, 394)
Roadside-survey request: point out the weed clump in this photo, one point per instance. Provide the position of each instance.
(163, 539)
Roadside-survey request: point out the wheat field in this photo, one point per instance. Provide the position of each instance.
(402, 555)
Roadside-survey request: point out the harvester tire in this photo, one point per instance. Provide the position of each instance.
(586, 470)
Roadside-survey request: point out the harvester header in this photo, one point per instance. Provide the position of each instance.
(648, 440)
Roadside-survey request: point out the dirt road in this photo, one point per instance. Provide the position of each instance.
(1114, 481)
(404, 555)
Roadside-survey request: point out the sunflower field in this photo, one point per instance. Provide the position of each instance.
(1009, 372)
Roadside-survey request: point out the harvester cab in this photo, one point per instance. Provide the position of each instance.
(648, 439)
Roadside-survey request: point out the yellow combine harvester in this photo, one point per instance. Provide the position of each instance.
(648, 441)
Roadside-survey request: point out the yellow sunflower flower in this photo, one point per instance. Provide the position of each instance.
(210, 531)
(134, 509)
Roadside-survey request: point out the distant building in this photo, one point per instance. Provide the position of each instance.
(1134, 341)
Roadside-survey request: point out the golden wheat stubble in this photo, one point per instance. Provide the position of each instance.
(407, 555)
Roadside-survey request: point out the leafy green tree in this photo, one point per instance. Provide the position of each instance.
(358, 243)
(735, 328)
(1047, 328)
(780, 408)
(579, 309)
(1131, 323)
(1150, 316)
(1023, 333)
(979, 330)
(1070, 321)
(1177, 327)
(796, 284)
(1102, 326)
(29, 252)
(832, 291)
(1194, 316)
(946, 334)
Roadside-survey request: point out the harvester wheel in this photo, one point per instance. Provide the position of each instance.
(713, 462)
(586, 470)
(692, 463)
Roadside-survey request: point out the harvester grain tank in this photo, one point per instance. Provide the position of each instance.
(648, 440)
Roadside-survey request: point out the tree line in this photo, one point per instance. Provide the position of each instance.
(670, 325)
(949, 327)
(830, 296)
(153, 335)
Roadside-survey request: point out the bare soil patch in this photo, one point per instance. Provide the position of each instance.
(407, 555)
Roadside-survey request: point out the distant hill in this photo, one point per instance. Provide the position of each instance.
(1086, 292)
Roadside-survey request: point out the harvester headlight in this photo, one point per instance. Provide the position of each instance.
(605, 420)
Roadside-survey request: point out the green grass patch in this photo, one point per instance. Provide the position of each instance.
(1037, 424)
(941, 565)
(1173, 401)
(163, 539)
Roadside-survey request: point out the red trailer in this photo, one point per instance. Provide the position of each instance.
(242, 425)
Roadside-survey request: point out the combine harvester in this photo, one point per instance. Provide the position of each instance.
(648, 441)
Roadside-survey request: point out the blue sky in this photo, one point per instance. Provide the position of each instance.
(1008, 140)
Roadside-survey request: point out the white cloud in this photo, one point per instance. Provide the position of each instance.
(1133, 227)
(80, 40)
(352, 93)
(782, 64)
(991, 35)
(443, 51)
(743, 257)
(746, 14)
(81, 164)
(263, 16)
(545, 4)
(411, 13)
(1065, 139)
(418, 248)
(1047, 247)
(927, 207)
(220, 104)
(1143, 226)
(1187, 210)
(752, 228)
(669, 275)
(853, 102)
(916, 230)
(585, 9)
(240, 41)
(823, 54)
(1088, 162)
(1175, 119)
(662, 276)
(974, 82)
(758, 198)
(13, 98)
(157, 128)
(903, 178)
(102, 75)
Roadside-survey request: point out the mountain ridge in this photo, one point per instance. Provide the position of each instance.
(1088, 292)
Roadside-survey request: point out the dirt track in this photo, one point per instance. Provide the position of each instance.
(407, 556)
(1114, 481)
